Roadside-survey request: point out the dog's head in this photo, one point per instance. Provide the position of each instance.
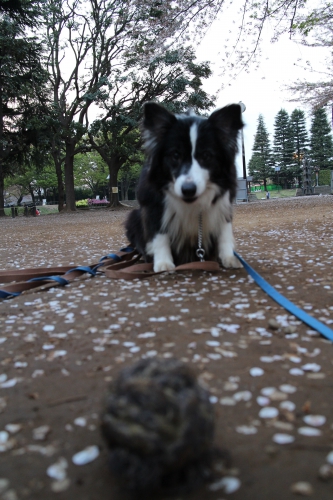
(189, 155)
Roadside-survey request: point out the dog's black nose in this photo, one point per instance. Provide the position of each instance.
(189, 189)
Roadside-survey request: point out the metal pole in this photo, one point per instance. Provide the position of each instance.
(243, 156)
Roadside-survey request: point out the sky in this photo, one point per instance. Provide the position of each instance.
(262, 89)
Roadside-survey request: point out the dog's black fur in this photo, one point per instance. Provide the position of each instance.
(189, 170)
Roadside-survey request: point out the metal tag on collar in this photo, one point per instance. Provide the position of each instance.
(200, 251)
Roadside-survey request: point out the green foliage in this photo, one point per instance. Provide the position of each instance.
(321, 152)
(283, 148)
(90, 173)
(82, 203)
(300, 141)
(22, 88)
(325, 177)
(260, 164)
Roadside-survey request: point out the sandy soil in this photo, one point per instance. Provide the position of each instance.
(60, 348)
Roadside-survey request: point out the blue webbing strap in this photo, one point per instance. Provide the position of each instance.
(58, 279)
(282, 301)
(7, 295)
(84, 269)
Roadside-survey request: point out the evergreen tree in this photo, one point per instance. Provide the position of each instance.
(260, 164)
(300, 140)
(321, 141)
(283, 147)
(22, 87)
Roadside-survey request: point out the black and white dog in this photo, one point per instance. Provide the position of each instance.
(188, 182)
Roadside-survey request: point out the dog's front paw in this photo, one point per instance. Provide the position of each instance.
(167, 265)
(231, 261)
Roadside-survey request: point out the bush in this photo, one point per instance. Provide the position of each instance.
(82, 203)
(324, 178)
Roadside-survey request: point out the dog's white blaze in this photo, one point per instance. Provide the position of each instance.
(199, 176)
(160, 249)
(193, 137)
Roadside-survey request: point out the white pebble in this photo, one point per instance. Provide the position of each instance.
(283, 438)
(329, 458)
(246, 429)
(268, 412)
(48, 328)
(315, 420)
(309, 431)
(228, 484)
(58, 469)
(289, 389)
(146, 335)
(256, 372)
(263, 401)
(80, 421)
(4, 436)
(40, 433)
(311, 367)
(268, 391)
(296, 372)
(59, 486)
(86, 456)
(287, 405)
(9, 383)
(302, 488)
(227, 401)
(47, 347)
(243, 396)
(13, 428)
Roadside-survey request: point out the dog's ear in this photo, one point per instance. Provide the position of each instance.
(156, 120)
(228, 119)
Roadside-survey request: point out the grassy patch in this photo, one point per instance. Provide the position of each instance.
(282, 193)
(44, 210)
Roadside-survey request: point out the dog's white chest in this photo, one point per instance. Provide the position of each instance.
(181, 221)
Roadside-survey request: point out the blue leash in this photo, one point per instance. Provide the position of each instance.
(282, 301)
(266, 287)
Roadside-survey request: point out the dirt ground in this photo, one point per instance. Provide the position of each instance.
(59, 349)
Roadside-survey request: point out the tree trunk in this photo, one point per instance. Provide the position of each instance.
(32, 194)
(2, 188)
(56, 155)
(69, 178)
(114, 166)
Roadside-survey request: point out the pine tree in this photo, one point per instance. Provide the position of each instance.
(260, 164)
(300, 140)
(283, 147)
(321, 141)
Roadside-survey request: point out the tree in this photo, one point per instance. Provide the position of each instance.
(321, 141)
(22, 91)
(283, 148)
(260, 164)
(300, 141)
(316, 29)
(91, 171)
(100, 41)
(128, 177)
(173, 77)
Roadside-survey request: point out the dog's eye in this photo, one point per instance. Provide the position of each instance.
(175, 155)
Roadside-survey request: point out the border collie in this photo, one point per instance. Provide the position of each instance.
(188, 182)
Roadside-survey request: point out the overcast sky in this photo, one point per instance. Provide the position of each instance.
(262, 89)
